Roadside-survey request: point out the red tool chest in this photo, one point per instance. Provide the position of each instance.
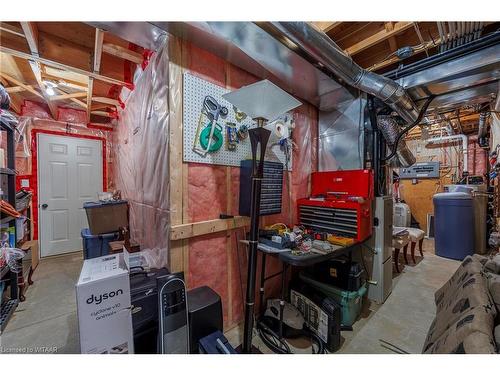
(340, 203)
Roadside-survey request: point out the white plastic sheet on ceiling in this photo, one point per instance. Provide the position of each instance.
(141, 157)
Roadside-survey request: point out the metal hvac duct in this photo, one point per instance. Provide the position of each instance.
(452, 138)
(483, 116)
(321, 48)
(390, 130)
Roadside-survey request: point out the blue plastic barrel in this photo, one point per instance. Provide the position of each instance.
(453, 225)
(97, 245)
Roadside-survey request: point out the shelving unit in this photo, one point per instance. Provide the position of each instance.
(8, 186)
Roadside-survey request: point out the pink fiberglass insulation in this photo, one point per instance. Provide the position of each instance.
(208, 189)
(477, 157)
(35, 109)
(208, 265)
(71, 115)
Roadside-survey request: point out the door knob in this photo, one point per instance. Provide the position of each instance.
(44, 206)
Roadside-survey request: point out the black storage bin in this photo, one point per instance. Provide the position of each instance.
(271, 191)
(340, 273)
(144, 300)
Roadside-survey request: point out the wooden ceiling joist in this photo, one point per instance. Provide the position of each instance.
(5, 27)
(31, 33)
(105, 100)
(96, 66)
(14, 89)
(16, 82)
(103, 113)
(68, 96)
(326, 26)
(123, 53)
(376, 38)
(27, 56)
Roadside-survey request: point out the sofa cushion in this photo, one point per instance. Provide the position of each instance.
(470, 294)
(471, 333)
(493, 282)
(493, 265)
(470, 266)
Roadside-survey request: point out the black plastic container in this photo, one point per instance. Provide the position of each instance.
(340, 273)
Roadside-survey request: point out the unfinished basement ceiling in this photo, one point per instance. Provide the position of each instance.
(85, 67)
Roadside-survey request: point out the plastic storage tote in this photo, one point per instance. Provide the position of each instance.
(454, 225)
(350, 302)
(106, 217)
(97, 245)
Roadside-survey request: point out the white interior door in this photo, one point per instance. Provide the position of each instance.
(69, 174)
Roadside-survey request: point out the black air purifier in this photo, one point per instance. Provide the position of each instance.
(204, 314)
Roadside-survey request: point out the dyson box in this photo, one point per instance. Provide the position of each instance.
(103, 304)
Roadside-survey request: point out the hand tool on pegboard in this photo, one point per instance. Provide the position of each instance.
(210, 138)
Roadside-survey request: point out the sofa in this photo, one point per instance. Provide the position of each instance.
(467, 310)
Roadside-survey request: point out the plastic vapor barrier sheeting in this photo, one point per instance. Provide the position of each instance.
(141, 154)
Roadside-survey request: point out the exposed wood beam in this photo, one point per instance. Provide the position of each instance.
(103, 99)
(89, 98)
(31, 34)
(35, 67)
(3, 82)
(189, 230)
(15, 104)
(102, 113)
(5, 27)
(65, 82)
(68, 96)
(15, 89)
(96, 66)
(389, 26)
(378, 37)
(326, 26)
(21, 84)
(123, 53)
(74, 100)
(99, 37)
(27, 56)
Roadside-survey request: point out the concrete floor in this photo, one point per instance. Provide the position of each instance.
(47, 319)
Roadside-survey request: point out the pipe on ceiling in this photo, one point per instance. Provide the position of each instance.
(452, 138)
(322, 49)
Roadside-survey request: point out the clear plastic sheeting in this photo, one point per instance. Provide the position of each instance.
(25, 143)
(141, 159)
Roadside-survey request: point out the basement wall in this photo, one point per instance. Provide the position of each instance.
(202, 192)
(419, 196)
(34, 119)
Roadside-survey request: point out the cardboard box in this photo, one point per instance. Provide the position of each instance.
(104, 308)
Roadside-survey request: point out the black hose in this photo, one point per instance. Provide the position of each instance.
(408, 128)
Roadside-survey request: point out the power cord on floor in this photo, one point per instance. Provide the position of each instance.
(280, 346)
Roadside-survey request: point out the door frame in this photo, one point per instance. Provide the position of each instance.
(34, 168)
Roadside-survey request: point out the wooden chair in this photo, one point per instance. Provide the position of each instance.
(416, 235)
(400, 242)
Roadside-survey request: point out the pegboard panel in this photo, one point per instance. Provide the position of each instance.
(195, 90)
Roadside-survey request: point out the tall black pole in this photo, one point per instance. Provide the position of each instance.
(258, 139)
